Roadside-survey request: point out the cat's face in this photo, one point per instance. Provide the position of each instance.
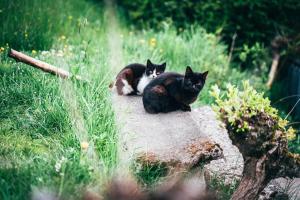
(194, 82)
(153, 70)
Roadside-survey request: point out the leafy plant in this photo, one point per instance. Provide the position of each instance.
(148, 170)
(240, 110)
(223, 190)
(255, 57)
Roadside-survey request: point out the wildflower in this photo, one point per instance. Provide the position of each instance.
(2, 49)
(60, 53)
(62, 37)
(52, 51)
(82, 53)
(70, 17)
(142, 41)
(282, 123)
(71, 150)
(34, 52)
(291, 134)
(84, 145)
(59, 164)
(45, 53)
(152, 42)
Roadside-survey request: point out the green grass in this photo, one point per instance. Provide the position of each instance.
(223, 190)
(149, 173)
(41, 115)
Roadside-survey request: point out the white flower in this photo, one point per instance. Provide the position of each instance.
(45, 53)
(59, 163)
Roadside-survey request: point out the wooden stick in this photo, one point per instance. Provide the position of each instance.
(273, 71)
(20, 57)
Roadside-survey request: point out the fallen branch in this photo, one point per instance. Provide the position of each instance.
(20, 57)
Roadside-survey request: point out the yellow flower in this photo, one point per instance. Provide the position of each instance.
(70, 17)
(34, 51)
(62, 37)
(291, 134)
(282, 123)
(2, 49)
(152, 42)
(84, 145)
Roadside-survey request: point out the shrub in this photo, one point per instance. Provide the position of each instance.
(246, 110)
(246, 17)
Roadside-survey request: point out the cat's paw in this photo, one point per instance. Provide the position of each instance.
(127, 90)
(186, 108)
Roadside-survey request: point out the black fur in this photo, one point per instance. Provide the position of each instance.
(172, 91)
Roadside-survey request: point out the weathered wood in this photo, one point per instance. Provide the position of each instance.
(20, 57)
(273, 71)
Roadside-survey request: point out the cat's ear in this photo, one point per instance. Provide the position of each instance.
(149, 63)
(188, 71)
(163, 66)
(204, 75)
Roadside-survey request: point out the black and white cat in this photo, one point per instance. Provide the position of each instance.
(133, 78)
(173, 91)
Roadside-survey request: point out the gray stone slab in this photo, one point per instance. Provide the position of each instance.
(173, 136)
(230, 168)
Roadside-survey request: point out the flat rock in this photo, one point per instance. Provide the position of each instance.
(176, 137)
(230, 168)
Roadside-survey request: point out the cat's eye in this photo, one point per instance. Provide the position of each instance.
(150, 72)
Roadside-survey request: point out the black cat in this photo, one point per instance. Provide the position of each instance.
(135, 77)
(172, 91)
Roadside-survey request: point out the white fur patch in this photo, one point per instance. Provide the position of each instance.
(145, 80)
(153, 75)
(127, 89)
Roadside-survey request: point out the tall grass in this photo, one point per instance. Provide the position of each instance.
(194, 47)
(30, 24)
(39, 144)
(35, 24)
